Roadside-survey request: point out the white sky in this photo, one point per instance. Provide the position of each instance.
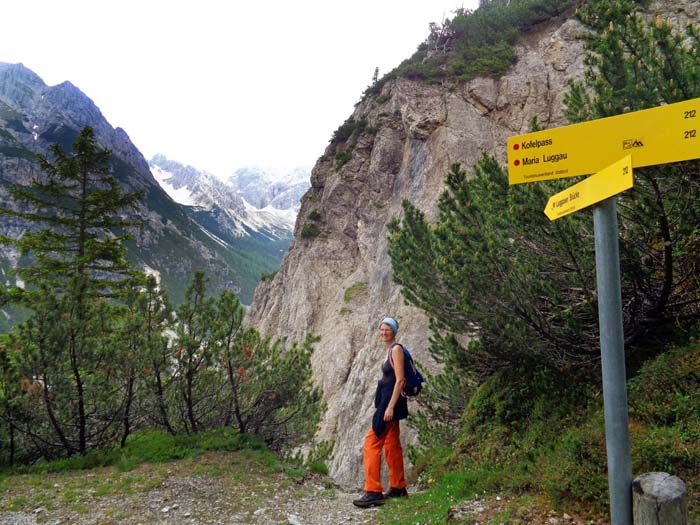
(220, 84)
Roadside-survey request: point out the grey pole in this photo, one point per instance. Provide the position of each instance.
(607, 258)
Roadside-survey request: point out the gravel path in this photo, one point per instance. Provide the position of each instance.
(213, 488)
(210, 489)
(179, 503)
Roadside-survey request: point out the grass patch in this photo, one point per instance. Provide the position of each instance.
(252, 473)
(268, 276)
(317, 466)
(354, 291)
(433, 505)
(149, 446)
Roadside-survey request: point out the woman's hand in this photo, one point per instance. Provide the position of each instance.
(388, 414)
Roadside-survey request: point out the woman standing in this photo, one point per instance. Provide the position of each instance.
(391, 406)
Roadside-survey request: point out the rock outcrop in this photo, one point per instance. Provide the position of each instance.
(338, 283)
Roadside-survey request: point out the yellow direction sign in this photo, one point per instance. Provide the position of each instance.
(614, 179)
(654, 136)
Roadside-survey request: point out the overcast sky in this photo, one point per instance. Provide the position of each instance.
(220, 84)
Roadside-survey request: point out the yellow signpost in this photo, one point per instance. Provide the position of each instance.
(610, 181)
(643, 138)
(659, 135)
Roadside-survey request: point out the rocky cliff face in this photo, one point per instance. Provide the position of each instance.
(338, 284)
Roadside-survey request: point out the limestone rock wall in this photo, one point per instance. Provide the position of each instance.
(338, 284)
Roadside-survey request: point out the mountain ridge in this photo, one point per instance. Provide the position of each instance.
(171, 242)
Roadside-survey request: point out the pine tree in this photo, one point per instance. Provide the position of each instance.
(77, 263)
(142, 356)
(635, 64)
(272, 390)
(494, 270)
(10, 413)
(194, 355)
(157, 319)
(234, 360)
(76, 213)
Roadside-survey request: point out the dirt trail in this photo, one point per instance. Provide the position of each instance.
(212, 488)
(192, 501)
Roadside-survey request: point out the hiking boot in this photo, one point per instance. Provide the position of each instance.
(370, 499)
(396, 493)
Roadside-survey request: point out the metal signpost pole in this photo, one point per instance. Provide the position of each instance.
(612, 350)
(667, 133)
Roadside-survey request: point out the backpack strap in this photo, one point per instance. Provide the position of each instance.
(391, 361)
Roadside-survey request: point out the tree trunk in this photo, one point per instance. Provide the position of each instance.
(12, 444)
(52, 418)
(80, 393)
(127, 408)
(659, 499)
(160, 397)
(189, 399)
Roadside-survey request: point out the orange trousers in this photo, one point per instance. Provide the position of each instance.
(391, 443)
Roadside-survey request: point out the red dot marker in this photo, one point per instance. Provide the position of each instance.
(517, 163)
(516, 147)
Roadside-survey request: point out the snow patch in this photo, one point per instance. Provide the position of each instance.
(216, 239)
(269, 217)
(150, 271)
(180, 195)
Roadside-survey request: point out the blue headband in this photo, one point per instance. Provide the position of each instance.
(392, 323)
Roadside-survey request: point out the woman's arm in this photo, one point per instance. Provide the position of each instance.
(397, 359)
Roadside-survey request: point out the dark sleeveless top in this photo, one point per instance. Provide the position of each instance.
(388, 374)
(382, 396)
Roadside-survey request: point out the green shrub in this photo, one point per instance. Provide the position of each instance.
(575, 470)
(342, 158)
(665, 417)
(268, 276)
(314, 215)
(478, 43)
(663, 391)
(156, 446)
(344, 131)
(310, 230)
(382, 99)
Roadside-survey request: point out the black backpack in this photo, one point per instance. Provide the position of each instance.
(414, 379)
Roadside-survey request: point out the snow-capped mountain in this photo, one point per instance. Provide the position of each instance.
(255, 201)
(267, 189)
(216, 231)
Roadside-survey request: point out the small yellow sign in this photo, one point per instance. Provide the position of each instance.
(614, 179)
(653, 136)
